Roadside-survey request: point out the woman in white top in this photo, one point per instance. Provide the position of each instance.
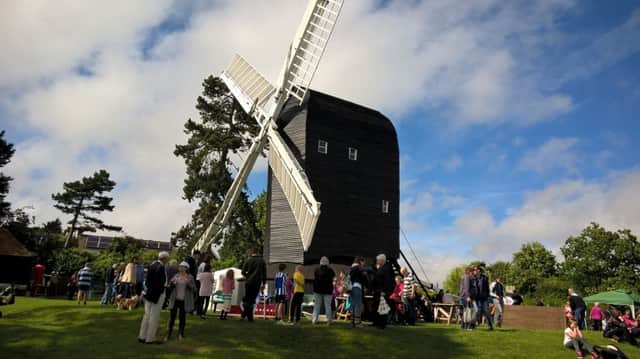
(573, 339)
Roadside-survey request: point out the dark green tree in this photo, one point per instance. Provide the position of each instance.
(83, 200)
(530, 265)
(599, 259)
(6, 152)
(223, 129)
(499, 269)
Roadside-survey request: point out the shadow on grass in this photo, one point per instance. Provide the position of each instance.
(60, 329)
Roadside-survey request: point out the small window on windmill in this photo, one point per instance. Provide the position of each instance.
(323, 146)
(385, 206)
(353, 154)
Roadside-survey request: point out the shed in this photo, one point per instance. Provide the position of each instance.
(15, 260)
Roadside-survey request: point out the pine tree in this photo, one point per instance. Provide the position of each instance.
(85, 198)
(6, 152)
(223, 129)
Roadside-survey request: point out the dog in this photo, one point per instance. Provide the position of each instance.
(126, 303)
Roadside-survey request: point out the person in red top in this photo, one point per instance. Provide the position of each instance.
(632, 324)
(596, 315)
(396, 296)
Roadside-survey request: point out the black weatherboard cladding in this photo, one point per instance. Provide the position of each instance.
(351, 192)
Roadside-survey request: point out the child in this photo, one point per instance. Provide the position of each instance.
(597, 315)
(206, 288)
(568, 313)
(573, 339)
(280, 283)
(228, 286)
(298, 295)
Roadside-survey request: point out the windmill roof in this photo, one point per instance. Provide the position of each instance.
(9, 245)
(374, 117)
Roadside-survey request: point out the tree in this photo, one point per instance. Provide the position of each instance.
(530, 265)
(224, 129)
(599, 259)
(452, 281)
(85, 198)
(6, 152)
(499, 269)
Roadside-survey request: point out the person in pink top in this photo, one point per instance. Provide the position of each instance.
(206, 289)
(596, 315)
(228, 286)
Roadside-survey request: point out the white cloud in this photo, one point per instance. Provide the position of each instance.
(128, 114)
(555, 153)
(552, 214)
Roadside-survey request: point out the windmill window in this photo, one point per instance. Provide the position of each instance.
(353, 154)
(323, 146)
(385, 206)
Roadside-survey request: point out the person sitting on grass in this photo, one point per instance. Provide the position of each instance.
(279, 283)
(573, 339)
(632, 324)
(228, 286)
(182, 298)
(85, 281)
(616, 329)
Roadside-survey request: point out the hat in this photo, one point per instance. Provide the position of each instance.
(184, 264)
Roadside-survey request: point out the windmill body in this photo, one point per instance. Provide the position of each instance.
(350, 156)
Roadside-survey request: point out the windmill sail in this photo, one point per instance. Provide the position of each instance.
(264, 101)
(309, 45)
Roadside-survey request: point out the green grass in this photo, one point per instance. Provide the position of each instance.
(48, 328)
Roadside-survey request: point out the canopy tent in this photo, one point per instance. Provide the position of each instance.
(616, 297)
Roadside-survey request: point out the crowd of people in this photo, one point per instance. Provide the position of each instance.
(480, 300)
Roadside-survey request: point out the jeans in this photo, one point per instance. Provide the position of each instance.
(321, 300)
(579, 345)
(409, 313)
(108, 293)
(250, 294)
(483, 309)
(178, 305)
(356, 303)
(578, 316)
(498, 315)
(296, 306)
(149, 325)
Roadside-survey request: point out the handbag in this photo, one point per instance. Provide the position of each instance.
(383, 307)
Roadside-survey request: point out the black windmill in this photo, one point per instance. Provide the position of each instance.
(324, 153)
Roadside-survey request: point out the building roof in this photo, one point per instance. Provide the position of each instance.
(9, 245)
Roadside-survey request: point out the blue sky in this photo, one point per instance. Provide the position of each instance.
(517, 121)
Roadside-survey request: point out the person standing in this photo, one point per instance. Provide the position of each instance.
(578, 306)
(85, 282)
(228, 286)
(280, 284)
(383, 286)
(128, 279)
(358, 283)
(323, 290)
(206, 289)
(172, 270)
(153, 299)
(194, 262)
(139, 277)
(109, 279)
(497, 292)
(597, 316)
(408, 296)
(298, 295)
(467, 300)
(182, 298)
(255, 274)
(482, 300)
